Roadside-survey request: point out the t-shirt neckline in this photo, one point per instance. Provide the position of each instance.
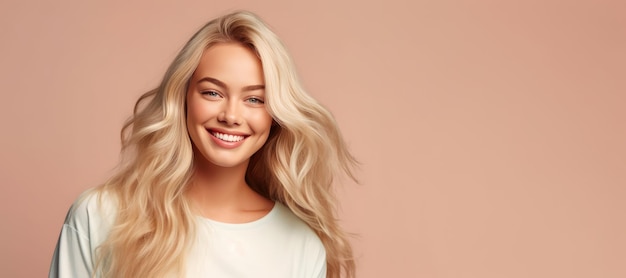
(265, 218)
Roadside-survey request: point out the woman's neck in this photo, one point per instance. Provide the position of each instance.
(221, 193)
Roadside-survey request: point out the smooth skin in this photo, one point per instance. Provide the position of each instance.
(225, 97)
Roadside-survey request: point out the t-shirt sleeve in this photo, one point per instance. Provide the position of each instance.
(84, 229)
(72, 255)
(317, 255)
(321, 268)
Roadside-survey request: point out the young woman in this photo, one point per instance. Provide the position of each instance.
(227, 172)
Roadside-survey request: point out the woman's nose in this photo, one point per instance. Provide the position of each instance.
(230, 114)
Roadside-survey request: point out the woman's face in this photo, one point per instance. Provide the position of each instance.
(226, 116)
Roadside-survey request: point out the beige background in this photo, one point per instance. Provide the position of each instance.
(492, 135)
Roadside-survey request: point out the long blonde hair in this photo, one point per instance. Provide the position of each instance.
(154, 226)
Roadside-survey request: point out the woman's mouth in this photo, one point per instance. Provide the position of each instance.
(227, 137)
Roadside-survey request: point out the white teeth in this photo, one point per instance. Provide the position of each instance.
(228, 137)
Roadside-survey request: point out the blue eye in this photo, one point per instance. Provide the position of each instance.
(255, 100)
(210, 93)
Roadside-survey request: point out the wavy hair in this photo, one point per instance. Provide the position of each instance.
(154, 227)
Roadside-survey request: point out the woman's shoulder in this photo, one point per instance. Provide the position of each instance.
(303, 245)
(293, 226)
(86, 226)
(92, 210)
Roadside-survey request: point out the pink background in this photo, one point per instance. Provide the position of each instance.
(492, 135)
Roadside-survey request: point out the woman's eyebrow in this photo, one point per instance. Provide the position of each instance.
(223, 85)
(254, 87)
(214, 81)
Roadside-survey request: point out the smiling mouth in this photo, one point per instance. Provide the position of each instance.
(227, 137)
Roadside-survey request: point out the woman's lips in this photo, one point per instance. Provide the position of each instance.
(227, 140)
(228, 137)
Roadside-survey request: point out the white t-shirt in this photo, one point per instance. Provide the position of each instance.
(276, 245)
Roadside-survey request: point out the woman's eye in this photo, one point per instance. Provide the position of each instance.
(255, 100)
(210, 93)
